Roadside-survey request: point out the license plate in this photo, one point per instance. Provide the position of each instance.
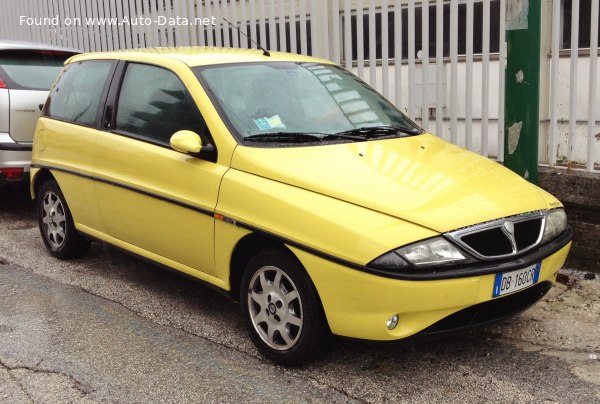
(509, 282)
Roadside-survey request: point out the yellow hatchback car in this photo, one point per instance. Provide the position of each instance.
(291, 185)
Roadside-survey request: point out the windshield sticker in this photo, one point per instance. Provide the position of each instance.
(273, 122)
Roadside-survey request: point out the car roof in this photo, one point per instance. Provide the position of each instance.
(200, 56)
(25, 45)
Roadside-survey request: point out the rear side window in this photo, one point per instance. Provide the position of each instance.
(31, 69)
(76, 96)
(154, 104)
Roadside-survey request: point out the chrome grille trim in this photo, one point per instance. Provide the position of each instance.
(507, 226)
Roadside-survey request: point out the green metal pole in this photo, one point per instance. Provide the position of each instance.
(522, 87)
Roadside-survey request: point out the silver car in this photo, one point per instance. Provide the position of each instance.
(27, 71)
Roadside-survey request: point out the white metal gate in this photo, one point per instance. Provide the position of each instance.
(440, 61)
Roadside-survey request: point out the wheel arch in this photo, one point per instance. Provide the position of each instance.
(39, 177)
(246, 248)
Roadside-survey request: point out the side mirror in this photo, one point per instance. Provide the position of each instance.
(188, 142)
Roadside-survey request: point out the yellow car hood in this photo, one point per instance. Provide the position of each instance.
(421, 179)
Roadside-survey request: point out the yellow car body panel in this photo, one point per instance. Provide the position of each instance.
(420, 179)
(336, 207)
(131, 178)
(65, 147)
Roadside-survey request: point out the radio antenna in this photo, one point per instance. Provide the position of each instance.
(265, 52)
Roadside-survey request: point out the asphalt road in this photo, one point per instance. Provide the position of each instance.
(112, 328)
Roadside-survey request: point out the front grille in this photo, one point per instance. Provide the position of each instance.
(489, 242)
(491, 311)
(503, 237)
(527, 233)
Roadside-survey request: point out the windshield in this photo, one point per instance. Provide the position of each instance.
(286, 102)
(31, 69)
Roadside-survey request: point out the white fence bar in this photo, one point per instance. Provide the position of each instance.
(210, 33)
(303, 35)
(592, 113)
(216, 12)
(573, 80)
(282, 33)
(335, 24)
(253, 33)
(553, 137)
(324, 39)
(411, 59)
(242, 22)
(313, 25)
(200, 34)
(224, 11)
(262, 24)
(348, 56)
(372, 45)
(439, 69)
(234, 18)
(272, 26)
(453, 71)
(385, 76)
(398, 53)
(501, 80)
(485, 80)
(179, 36)
(33, 10)
(156, 40)
(425, 64)
(360, 52)
(469, 82)
(293, 33)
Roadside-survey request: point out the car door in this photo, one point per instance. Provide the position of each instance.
(155, 201)
(66, 135)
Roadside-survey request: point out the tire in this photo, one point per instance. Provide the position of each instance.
(61, 238)
(281, 310)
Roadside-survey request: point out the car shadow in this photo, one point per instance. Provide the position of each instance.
(16, 201)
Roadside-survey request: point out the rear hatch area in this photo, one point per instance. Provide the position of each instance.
(26, 75)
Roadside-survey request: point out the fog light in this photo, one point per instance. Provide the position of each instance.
(392, 322)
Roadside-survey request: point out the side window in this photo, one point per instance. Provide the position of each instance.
(76, 96)
(154, 103)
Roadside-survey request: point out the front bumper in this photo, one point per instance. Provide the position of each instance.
(358, 304)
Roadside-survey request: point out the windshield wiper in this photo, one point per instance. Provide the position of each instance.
(357, 135)
(301, 137)
(373, 131)
(285, 137)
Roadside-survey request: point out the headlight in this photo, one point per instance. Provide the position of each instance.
(435, 252)
(556, 223)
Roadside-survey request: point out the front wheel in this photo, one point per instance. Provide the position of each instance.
(56, 225)
(281, 310)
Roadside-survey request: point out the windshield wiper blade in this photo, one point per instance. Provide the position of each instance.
(285, 137)
(372, 131)
(343, 135)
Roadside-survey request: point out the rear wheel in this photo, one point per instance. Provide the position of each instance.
(281, 310)
(61, 238)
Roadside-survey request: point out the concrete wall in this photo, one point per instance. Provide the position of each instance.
(580, 193)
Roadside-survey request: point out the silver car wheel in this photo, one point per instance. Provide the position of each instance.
(275, 308)
(54, 220)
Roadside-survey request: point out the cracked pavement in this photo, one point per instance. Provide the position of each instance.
(109, 327)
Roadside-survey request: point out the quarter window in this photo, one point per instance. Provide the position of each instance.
(154, 104)
(76, 96)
